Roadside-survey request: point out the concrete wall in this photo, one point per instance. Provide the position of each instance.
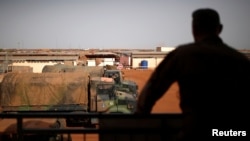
(152, 62)
(36, 65)
(165, 49)
(158, 61)
(91, 63)
(21, 69)
(136, 62)
(111, 63)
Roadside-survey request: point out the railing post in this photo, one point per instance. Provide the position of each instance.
(19, 129)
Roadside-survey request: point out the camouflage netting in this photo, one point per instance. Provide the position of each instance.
(44, 89)
(92, 70)
(110, 67)
(54, 68)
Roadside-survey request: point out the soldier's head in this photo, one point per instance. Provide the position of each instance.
(205, 23)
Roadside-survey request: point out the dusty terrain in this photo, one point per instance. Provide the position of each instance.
(169, 103)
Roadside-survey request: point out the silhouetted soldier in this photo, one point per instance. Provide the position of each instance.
(214, 81)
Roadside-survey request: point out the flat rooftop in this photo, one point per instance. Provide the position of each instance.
(38, 56)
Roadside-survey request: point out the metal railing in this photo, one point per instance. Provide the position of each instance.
(111, 127)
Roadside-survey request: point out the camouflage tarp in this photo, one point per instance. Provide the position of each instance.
(54, 68)
(44, 90)
(110, 67)
(92, 70)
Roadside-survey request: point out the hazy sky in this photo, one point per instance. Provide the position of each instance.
(114, 23)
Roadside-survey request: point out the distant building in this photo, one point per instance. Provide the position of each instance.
(138, 59)
(101, 59)
(91, 62)
(152, 59)
(36, 61)
(125, 59)
(165, 49)
(135, 59)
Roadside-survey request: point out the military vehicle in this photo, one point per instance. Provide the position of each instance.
(64, 92)
(105, 71)
(126, 86)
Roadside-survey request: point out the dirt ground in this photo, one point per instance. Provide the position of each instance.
(169, 103)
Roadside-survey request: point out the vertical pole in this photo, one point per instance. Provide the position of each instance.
(19, 129)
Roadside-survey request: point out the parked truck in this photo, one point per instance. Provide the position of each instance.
(64, 92)
(102, 71)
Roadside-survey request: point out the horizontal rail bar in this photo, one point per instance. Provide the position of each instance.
(109, 124)
(85, 115)
(96, 131)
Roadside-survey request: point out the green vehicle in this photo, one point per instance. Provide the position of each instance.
(108, 97)
(126, 86)
(64, 92)
(105, 98)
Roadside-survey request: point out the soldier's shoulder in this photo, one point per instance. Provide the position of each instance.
(185, 48)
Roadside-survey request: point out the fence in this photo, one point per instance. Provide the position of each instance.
(112, 127)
